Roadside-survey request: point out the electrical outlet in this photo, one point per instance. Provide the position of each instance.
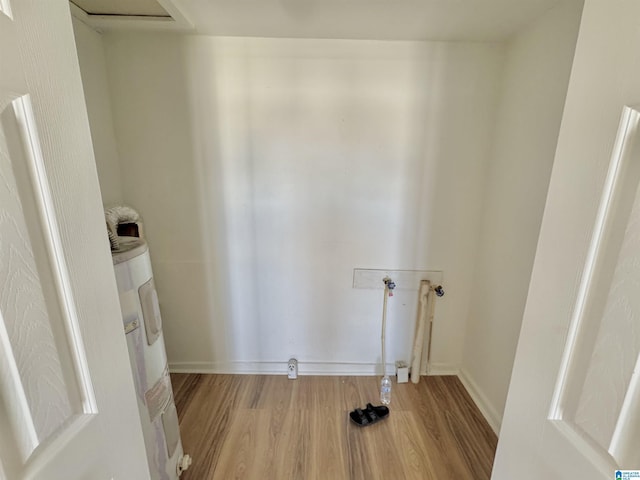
(293, 368)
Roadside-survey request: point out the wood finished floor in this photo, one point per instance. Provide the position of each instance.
(272, 428)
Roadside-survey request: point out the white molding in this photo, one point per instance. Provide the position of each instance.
(176, 11)
(25, 120)
(305, 368)
(56, 444)
(491, 415)
(17, 414)
(280, 368)
(622, 151)
(587, 447)
(5, 8)
(179, 22)
(443, 369)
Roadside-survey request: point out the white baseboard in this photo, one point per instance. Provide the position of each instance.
(443, 369)
(304, 368)
(280, 368)
(488, 411)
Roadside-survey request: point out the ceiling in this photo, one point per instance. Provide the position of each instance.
(463, 20)
(480, 20)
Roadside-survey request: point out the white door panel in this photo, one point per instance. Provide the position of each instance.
(588, 428)
(601, 352)
(67, 404)
(46, 384)
(573, 408)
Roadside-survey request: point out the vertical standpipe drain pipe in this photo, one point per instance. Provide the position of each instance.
(385, 384)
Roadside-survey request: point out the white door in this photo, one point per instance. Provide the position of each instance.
(573, 409)
(67, 403)
(590, 428)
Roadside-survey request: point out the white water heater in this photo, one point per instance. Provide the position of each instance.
(147, 355)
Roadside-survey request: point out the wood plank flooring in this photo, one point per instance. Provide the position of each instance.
(272, 428)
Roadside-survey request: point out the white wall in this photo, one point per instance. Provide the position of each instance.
(266, 170)
(538, 63)
(605, 77)
(93, 69)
